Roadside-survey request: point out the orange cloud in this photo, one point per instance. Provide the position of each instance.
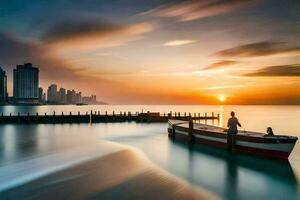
(266, 48)
(221, 64)
(192, 10)
(279, 70)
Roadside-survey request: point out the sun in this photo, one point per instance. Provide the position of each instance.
(222, 98)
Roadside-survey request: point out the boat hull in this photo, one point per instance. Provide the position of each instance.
(270, 147)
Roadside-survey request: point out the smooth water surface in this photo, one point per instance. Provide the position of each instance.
(228, 176)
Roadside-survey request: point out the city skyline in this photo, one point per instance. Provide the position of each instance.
(26, 89)
(160, 51)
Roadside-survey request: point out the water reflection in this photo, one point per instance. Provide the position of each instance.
(17, 142)
(233, 176)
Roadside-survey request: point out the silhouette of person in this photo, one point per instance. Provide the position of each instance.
(232, 124)
(269, 132)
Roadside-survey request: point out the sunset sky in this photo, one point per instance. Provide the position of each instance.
(159, 51)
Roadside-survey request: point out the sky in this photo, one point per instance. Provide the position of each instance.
(158, 51)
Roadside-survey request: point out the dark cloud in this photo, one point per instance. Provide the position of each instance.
(192, 10)
(73, 29)
(92, 34)
(221, 64)
(266, 48)
(280, 70)
(14, 51)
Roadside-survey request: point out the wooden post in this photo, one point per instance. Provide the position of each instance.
(173, 132)
(78, 117)
(18, 117)
(37, 117)
(91, 117)
(70, 118)
(2, 118)
(53, 117)
(191, 127)
(105, 116)
(28, 117)
(205, 118)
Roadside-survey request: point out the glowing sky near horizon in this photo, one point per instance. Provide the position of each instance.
(159, 51)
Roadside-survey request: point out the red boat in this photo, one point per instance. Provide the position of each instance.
(278, 146)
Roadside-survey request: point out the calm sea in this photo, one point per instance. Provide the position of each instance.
(227, 176)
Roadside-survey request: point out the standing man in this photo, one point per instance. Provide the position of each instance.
(232, 124)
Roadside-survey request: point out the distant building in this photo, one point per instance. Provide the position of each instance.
(3, 86)
(78, 98)
(25, 84)
(52, 96)
(62, 96)
(89, 100)
(71, 97)
(42, 95)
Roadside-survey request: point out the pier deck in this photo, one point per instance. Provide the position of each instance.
(97, 117)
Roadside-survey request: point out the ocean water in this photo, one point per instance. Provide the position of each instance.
(228, 176)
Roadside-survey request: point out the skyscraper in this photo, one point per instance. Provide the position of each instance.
(41, 95)
(71, 97)
(3, 86)
(52, 94)
(26, 84)
(62, 98)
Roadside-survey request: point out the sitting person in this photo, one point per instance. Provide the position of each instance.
(269, 132)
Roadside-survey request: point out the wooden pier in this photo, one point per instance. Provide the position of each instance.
(97, 117)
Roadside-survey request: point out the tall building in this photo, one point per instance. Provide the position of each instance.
(52, 96)
(3, 86)
(62, 97)
(71, 97)
(41, 95)
(26, 84)
(78, 98)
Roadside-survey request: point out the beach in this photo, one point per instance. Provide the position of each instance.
(123, 174)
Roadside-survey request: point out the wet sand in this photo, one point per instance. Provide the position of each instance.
(125, 174)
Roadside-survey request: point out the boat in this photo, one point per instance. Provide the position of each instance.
(249, 142)
(81, 104)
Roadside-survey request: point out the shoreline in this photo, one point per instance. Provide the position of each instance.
(125, 173)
